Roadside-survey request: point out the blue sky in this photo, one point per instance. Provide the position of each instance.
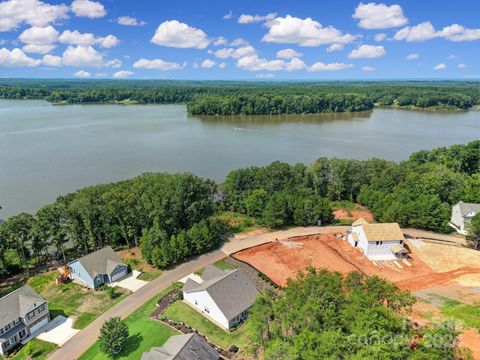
(262, 39)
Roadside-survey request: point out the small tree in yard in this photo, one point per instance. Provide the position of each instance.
(473, 228)
(113, 335)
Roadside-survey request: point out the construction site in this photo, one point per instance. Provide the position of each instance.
(435, 270)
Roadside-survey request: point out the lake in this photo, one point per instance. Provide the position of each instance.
(48, 150)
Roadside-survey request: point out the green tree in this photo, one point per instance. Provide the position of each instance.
(113, 336)
(473, 229)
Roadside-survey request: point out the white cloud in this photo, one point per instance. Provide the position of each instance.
(380, 37)
(52, 60)
(367, 52)
(14, 13)
(254, 63)
(220, 41)
(412, 56)
(157, 64)
(207, 64)
(87, 39)
(222, 65)
(368, 68)
(39, 35)
(288, 54)
(114, 63)
(461, 66)
(82, 74)
(107, 42)
(16, 58)
(265, 76)
(304, 32)
(129, 21)
(237, 53)
(239, 42)
(425, 31)
(249, 19)
(335, 47)
(379, 16)
(89, 9)
(82, 56)
(175, 34)
(38, 49)
(228, 16)
(420, 32)
(452, 57)
(122, 74)
(320, 66)
(440, 67)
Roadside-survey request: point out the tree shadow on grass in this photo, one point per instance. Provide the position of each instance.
(132, 344)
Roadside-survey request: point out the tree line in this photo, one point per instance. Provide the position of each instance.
(250, 98)
(172, 217)
(324, 315)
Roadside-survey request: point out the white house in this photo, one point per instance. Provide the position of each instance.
(461, 215)
(224, 296)
(378, 241)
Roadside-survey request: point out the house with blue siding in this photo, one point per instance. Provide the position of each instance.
(101, 267)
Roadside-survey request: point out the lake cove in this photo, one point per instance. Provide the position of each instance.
(47, 150)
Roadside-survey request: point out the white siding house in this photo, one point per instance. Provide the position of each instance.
(224, 296)
(378, 241)
(461, 215)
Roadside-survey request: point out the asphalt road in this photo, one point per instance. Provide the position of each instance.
(85, 338)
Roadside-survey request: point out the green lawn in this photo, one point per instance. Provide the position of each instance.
(144, 333)
(73, 300)
(149, 275)
(468, 315)
(238, 222)
(183, 313)
(36, 349)
(222, 265)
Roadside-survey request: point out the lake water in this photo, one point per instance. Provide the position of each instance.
(48, 150)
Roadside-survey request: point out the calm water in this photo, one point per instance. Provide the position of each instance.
(48, 150)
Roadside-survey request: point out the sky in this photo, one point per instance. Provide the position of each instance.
(240, 40)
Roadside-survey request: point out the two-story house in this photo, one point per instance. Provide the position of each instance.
(22, 313)
(462, 212)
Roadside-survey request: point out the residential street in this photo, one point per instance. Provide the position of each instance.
(79, 343)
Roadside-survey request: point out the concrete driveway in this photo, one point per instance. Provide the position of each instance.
(58, 331)
(130, 282)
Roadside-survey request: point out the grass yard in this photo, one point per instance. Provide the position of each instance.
(222, 265)
(145, 333)
(73, 300)
(468, 315)
(183, 313)
(36, 349)
(133, 258)
(238, 222)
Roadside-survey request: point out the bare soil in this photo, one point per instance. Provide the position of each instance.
(359, 212)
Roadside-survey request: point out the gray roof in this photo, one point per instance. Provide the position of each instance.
(466, 208)
(231, 290)
(102, 261)
(18, 303)
(182, 347)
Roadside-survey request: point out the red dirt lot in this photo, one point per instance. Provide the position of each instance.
(281, 260)
(359, 212)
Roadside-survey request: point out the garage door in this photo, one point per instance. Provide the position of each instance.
(39, 325)
(119, 274)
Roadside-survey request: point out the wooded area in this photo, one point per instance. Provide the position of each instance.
(172, 217)
(251, 98)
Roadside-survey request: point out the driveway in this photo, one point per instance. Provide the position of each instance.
(58, 331)
(81, 341)
(130, 282)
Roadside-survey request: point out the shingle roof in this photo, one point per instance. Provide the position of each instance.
(231, 290)
(383, 232)
(18, 303)
(359, 221)
(182, 347)
(466, 208)
(102, 261)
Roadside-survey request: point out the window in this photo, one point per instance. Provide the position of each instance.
(206, 309)
(196, 303)
(11, 341)
(401, 242)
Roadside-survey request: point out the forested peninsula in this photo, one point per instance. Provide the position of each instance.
(252, 98)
